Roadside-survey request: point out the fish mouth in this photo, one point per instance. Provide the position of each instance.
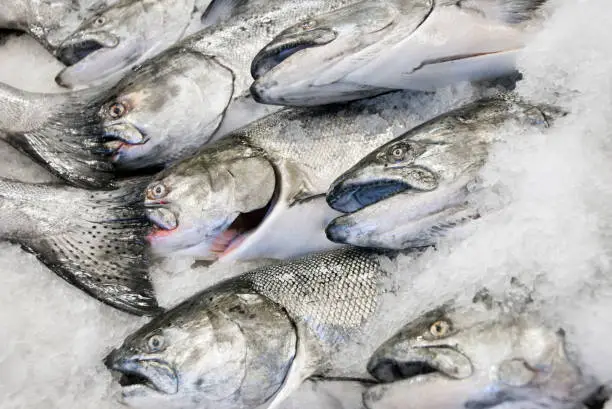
(73, 53)
(283, 47)
(165, 223)
(118, 138)
(81, 45)
(351, 197)
(152, 374)
(423, 362)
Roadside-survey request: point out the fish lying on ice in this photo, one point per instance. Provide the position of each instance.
(164, 110)
(48, 21)
(413, 190)
(110, 42)
(260, 192)
(252, 340)
(476, 356)
(92, 239)
(374, 45)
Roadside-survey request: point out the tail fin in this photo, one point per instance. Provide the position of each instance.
(92, 239)
(510, 11)
(61, 131)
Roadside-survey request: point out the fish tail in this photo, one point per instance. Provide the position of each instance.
(92, 239)
(60, 131)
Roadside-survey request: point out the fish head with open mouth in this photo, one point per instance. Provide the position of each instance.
(207, 205)
(415, 189)
(163, 111)
(464, 350)
(118, 37)
(225, 349)
(279, 68)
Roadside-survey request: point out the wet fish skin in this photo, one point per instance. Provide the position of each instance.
(336, 317)
(373, 45)
(187, 96)
(237, 198)
(115, 39)
(512, 357)
(48, 21)
(92, 239)
(300, 316)
(415, 189)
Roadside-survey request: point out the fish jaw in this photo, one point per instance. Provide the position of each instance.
(147, 375)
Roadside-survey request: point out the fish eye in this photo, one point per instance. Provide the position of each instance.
(157, 191)
(155, 343)
(99, 20)
(117, 110)
(397, 153)
(307, 25)
(440, 328)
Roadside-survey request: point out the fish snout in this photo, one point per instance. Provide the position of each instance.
(111, 361)
(339, 230)
(162, 217)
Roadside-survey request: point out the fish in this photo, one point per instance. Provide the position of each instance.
(163, 110)
(112, 41)
(48, 21)
(415, 189)
(376, 45)
(253, 339)
(91, 239)
(239, 197)
(476, 356)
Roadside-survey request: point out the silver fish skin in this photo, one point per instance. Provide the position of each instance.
(252, 340)
(48, 21)
(91, 239)
(476, 356)
(413, 190)
(391, 44)
(112, 41)
(239, 198)
(162, 111)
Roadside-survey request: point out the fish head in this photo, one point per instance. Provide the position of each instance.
(165, 110)
(222, 349)
(306, 63)
(461, 350)
(115, 39)
(417, 188)
(208, 204)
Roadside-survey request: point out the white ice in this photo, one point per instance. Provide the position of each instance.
(553, 232)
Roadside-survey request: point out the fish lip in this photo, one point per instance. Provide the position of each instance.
(424, 364)
(348, 196)
(71, 54)
(155, 211)
(151, 373)
(284, 46)
(114, 141)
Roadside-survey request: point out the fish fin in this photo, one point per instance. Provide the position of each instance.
(220, 10)
(103, 251)
(69, 144)
(509, 11)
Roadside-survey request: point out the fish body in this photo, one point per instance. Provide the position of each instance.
(163, 110)
(92, 239)
(476, 356)
(260, 191)
(252, 340)
(373, 45)
(413, 190)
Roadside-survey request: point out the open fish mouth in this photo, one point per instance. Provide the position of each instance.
(348, 198)
(72, 53)
(166, 223)
(118, 138)
(282, 48)
(422, 361)
(153, 374)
